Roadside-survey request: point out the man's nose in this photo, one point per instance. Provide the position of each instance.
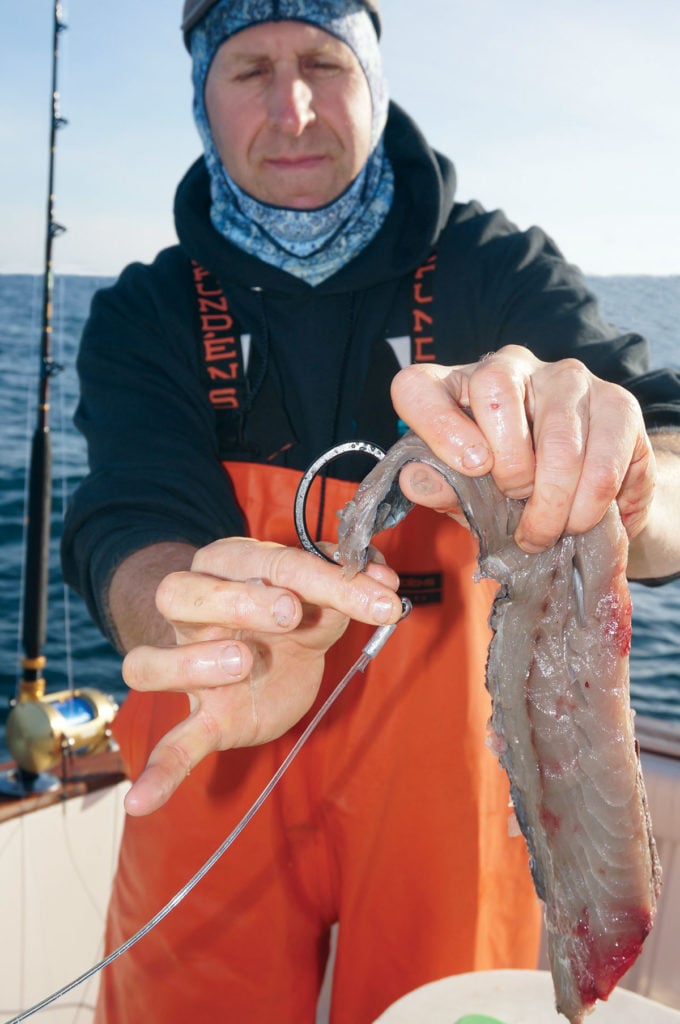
(290, 104)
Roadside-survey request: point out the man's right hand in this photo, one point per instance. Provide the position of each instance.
(252, 622)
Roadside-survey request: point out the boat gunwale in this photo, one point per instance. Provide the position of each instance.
(658, 736)
(79, 777)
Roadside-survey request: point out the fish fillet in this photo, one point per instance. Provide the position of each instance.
(561, 724)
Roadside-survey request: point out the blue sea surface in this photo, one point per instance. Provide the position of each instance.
(77, 655)
(651, 306)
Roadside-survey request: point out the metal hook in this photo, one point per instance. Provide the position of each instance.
(300, 506)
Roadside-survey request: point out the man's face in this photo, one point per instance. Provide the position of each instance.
(290, 112)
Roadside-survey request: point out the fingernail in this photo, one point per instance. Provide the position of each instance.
(529, 546)
(425, 483)
(475, 456)
(284, 610)
(382, 610)
(231, 660)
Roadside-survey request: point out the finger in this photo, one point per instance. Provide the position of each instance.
(187, 666)
(220, 719)
(376, 566)
(619, 462)
(431, 399)
(151, 790)
(498, 388)
(377, 569)
(171, 761)
(155, 786)
(635, 496)
(311, 579)
(561, 420)
(425, 486)
(198, 598)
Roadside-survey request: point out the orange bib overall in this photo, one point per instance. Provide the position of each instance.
(393, 820)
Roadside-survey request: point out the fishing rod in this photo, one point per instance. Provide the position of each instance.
(42, 729)
(32, 683)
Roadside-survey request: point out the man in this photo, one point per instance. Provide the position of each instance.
(318, 231)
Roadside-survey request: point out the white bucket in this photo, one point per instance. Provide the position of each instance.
(514, 997)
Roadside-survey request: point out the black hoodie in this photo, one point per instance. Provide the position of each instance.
(320, 364)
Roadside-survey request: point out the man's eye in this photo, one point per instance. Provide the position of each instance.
(251, 73)
(323, 66)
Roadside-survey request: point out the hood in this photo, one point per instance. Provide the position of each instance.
(424, 192)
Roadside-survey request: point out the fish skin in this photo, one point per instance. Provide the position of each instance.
(561, 722)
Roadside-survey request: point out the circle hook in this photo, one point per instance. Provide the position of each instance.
(302, 493)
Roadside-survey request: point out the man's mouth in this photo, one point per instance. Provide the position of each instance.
(296, 163)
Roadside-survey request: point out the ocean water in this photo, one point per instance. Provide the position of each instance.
(647, 304)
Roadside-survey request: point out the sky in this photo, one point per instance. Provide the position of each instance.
(563, 114)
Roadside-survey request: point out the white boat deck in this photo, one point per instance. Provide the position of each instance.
(57, 865)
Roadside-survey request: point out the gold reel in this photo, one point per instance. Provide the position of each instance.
(41, 732)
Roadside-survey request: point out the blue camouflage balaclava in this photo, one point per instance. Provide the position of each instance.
(311, 244)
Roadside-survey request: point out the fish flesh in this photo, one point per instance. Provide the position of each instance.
(561, 722)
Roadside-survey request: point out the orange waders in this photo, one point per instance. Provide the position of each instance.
(393, 820)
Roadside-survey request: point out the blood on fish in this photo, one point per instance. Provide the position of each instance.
(550, 821)
(624, 640)
(582, 928)
(617, 624)
(607, 961)
(564, 706)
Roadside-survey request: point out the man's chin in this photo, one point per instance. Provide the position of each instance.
(299, 188)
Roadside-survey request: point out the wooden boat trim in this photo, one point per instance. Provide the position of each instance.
(657, 736)
(80, 777)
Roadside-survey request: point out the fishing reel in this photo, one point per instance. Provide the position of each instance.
(43, 731)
